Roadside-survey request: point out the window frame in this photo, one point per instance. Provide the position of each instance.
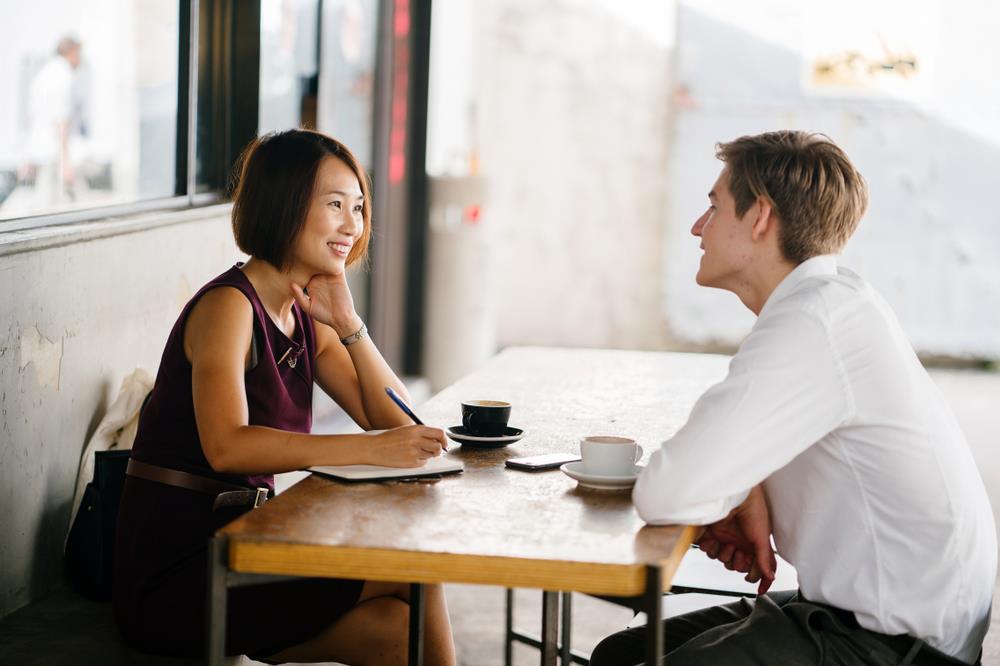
(213, 38)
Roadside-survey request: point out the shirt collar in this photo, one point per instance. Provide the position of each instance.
(824, 264)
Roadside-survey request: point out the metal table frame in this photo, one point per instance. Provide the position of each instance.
(220, 579)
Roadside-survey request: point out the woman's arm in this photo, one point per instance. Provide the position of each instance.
(217, 342)
(354, 376)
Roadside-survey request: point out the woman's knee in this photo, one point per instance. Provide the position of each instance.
(391, 628)
(376, 589)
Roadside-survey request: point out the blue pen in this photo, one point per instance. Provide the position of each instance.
(402, 405)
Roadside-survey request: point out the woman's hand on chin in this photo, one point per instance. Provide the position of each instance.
(329, 302)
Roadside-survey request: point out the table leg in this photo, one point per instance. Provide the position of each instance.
(217, 572)
(416, 624)
(654, 624)
(565, 657)
(550, 627)
(508, 650)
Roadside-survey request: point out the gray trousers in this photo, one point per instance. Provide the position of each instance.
(779, 629)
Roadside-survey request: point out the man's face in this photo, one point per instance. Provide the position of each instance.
(725, 238)
(74, 56)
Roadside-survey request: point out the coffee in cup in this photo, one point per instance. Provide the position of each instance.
(485, 418)
(609, 456)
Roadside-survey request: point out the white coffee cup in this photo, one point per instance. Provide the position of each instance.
(609, 456)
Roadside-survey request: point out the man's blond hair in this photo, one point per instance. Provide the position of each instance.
(817, 194)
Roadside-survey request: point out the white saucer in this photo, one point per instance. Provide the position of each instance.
(574, 470)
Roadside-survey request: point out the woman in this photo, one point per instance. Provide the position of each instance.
(232, 406)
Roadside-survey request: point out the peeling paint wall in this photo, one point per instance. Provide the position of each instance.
(76, 320)
(44, 354)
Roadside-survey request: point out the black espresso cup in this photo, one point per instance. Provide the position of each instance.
(485, 418)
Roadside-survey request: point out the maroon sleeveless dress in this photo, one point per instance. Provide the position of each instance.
(161, 554)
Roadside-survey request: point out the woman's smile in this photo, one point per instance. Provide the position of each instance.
(340, 249)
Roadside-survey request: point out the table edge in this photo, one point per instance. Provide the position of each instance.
(246, 555)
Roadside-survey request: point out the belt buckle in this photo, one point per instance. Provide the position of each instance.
(260, 498)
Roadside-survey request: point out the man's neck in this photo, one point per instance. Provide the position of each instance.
(761, 283)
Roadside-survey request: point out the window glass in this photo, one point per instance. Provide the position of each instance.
(347, 75)
(346, 94)
(90, 104)
(211, 168)
(288, 64)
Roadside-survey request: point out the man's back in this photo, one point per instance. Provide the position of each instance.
(886, 515)
(873, 494)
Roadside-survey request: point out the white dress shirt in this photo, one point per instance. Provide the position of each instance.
(874, 495)
(50, 100)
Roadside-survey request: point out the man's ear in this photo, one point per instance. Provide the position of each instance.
(765, 222)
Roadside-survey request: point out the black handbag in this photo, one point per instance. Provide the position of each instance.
(90, 547)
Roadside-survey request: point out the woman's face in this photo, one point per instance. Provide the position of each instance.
(333, 223)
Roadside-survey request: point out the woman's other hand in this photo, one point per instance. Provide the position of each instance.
(329, 302)
(407, 446)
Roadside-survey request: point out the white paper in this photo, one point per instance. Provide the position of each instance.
(438, 465)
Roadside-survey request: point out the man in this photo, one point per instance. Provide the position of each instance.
(828, 434)
(55, 117)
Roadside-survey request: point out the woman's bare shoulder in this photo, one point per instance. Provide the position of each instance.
(222, 316)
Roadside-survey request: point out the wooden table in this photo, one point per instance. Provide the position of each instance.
(491, 525)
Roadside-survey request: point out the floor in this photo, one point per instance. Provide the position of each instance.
(26, 637)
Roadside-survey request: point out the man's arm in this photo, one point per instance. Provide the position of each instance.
(742, 540)
(784, 392)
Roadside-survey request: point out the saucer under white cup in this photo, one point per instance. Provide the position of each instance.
(574, 470)
(609, 456)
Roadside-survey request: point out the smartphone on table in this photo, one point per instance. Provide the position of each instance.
(545, 461)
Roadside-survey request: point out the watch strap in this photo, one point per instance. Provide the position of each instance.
(354, 337)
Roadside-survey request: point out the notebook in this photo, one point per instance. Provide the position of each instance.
(442, 464)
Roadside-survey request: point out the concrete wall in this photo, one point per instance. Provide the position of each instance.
(575, 119)
(929, 146)
(565, 107)
(75, 320)
(594, 122)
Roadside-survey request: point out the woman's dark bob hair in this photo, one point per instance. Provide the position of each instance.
(274, 189)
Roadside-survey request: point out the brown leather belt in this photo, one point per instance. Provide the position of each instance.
(226, 494)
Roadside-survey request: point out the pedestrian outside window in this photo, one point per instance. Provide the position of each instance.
(289, 50)
(90, 104)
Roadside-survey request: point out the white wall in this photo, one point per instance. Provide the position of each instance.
(929, 148)
(76, 320)
(570, 127)
(452, 102)
(595, 132)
